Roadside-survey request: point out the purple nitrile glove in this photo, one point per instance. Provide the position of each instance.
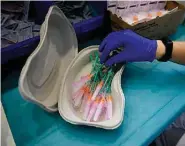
(135, 48)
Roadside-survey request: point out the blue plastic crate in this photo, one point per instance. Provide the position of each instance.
(83, 29)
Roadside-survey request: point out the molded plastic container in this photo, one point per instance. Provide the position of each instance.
(46, 78)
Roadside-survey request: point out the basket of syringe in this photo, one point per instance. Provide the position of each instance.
(150, 19)
(134, 12)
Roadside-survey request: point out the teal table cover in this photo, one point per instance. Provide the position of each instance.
(154, 94)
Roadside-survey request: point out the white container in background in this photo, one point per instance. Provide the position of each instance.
(111, 6)
(161, 4)
(122, 8)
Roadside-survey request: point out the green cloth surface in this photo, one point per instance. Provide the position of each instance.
(154, 94)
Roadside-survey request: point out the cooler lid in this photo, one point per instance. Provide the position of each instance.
(43, 72)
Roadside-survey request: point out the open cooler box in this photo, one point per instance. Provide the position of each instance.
(46, 78)
(83, 29)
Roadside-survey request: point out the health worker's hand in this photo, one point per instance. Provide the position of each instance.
(135, 48)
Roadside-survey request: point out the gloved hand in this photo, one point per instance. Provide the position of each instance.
(135, 48)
